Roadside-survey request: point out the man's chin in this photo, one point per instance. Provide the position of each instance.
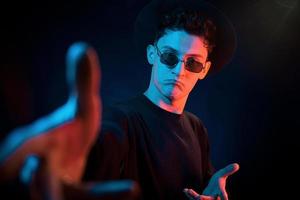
(174, 96)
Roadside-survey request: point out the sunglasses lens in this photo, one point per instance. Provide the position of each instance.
(193, 65)
(169, 59)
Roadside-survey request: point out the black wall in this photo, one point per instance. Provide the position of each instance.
(249, 108)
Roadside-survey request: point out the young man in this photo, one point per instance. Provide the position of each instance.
(149, 139)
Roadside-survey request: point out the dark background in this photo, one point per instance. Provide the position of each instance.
(250, 108)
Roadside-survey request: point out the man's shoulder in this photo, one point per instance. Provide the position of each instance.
(192, 117)
(122, 109)
(118, 117)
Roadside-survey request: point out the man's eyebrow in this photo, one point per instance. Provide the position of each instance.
(195, 55)
(169, 48)
(176, 51)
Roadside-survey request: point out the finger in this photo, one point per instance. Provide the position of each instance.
(44, 184)
(29, 168)
(191, 194)
(228, 170)
(204, 197)
(224, 195)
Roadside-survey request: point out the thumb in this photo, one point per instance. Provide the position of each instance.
(228, 170)
(83, 76)
(83, 71)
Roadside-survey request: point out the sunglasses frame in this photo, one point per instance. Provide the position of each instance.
(178, 60)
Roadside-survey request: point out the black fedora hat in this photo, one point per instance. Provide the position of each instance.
(147, 22)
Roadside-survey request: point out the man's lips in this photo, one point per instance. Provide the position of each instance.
(174, 82)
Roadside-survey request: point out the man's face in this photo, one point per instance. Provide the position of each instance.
(176, 83)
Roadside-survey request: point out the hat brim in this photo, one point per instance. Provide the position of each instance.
(146, 25)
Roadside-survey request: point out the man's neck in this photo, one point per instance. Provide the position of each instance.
(167, 104)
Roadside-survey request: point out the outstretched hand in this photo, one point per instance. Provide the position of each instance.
(65, 136)
(50, 154)
(216, 188)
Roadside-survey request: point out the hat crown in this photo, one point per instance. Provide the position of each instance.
(149, 19)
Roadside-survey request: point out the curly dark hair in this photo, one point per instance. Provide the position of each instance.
(191, 21)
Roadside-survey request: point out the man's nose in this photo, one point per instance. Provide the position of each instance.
(179, 69)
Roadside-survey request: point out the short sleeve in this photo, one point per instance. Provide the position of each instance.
(108, 152)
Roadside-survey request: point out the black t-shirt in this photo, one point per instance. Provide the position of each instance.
(164, 152)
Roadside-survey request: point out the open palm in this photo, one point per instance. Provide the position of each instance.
(216, 188)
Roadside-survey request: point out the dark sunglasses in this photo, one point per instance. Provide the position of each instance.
(171, 60)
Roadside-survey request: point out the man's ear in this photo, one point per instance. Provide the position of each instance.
(205, 70)
(150, 54)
